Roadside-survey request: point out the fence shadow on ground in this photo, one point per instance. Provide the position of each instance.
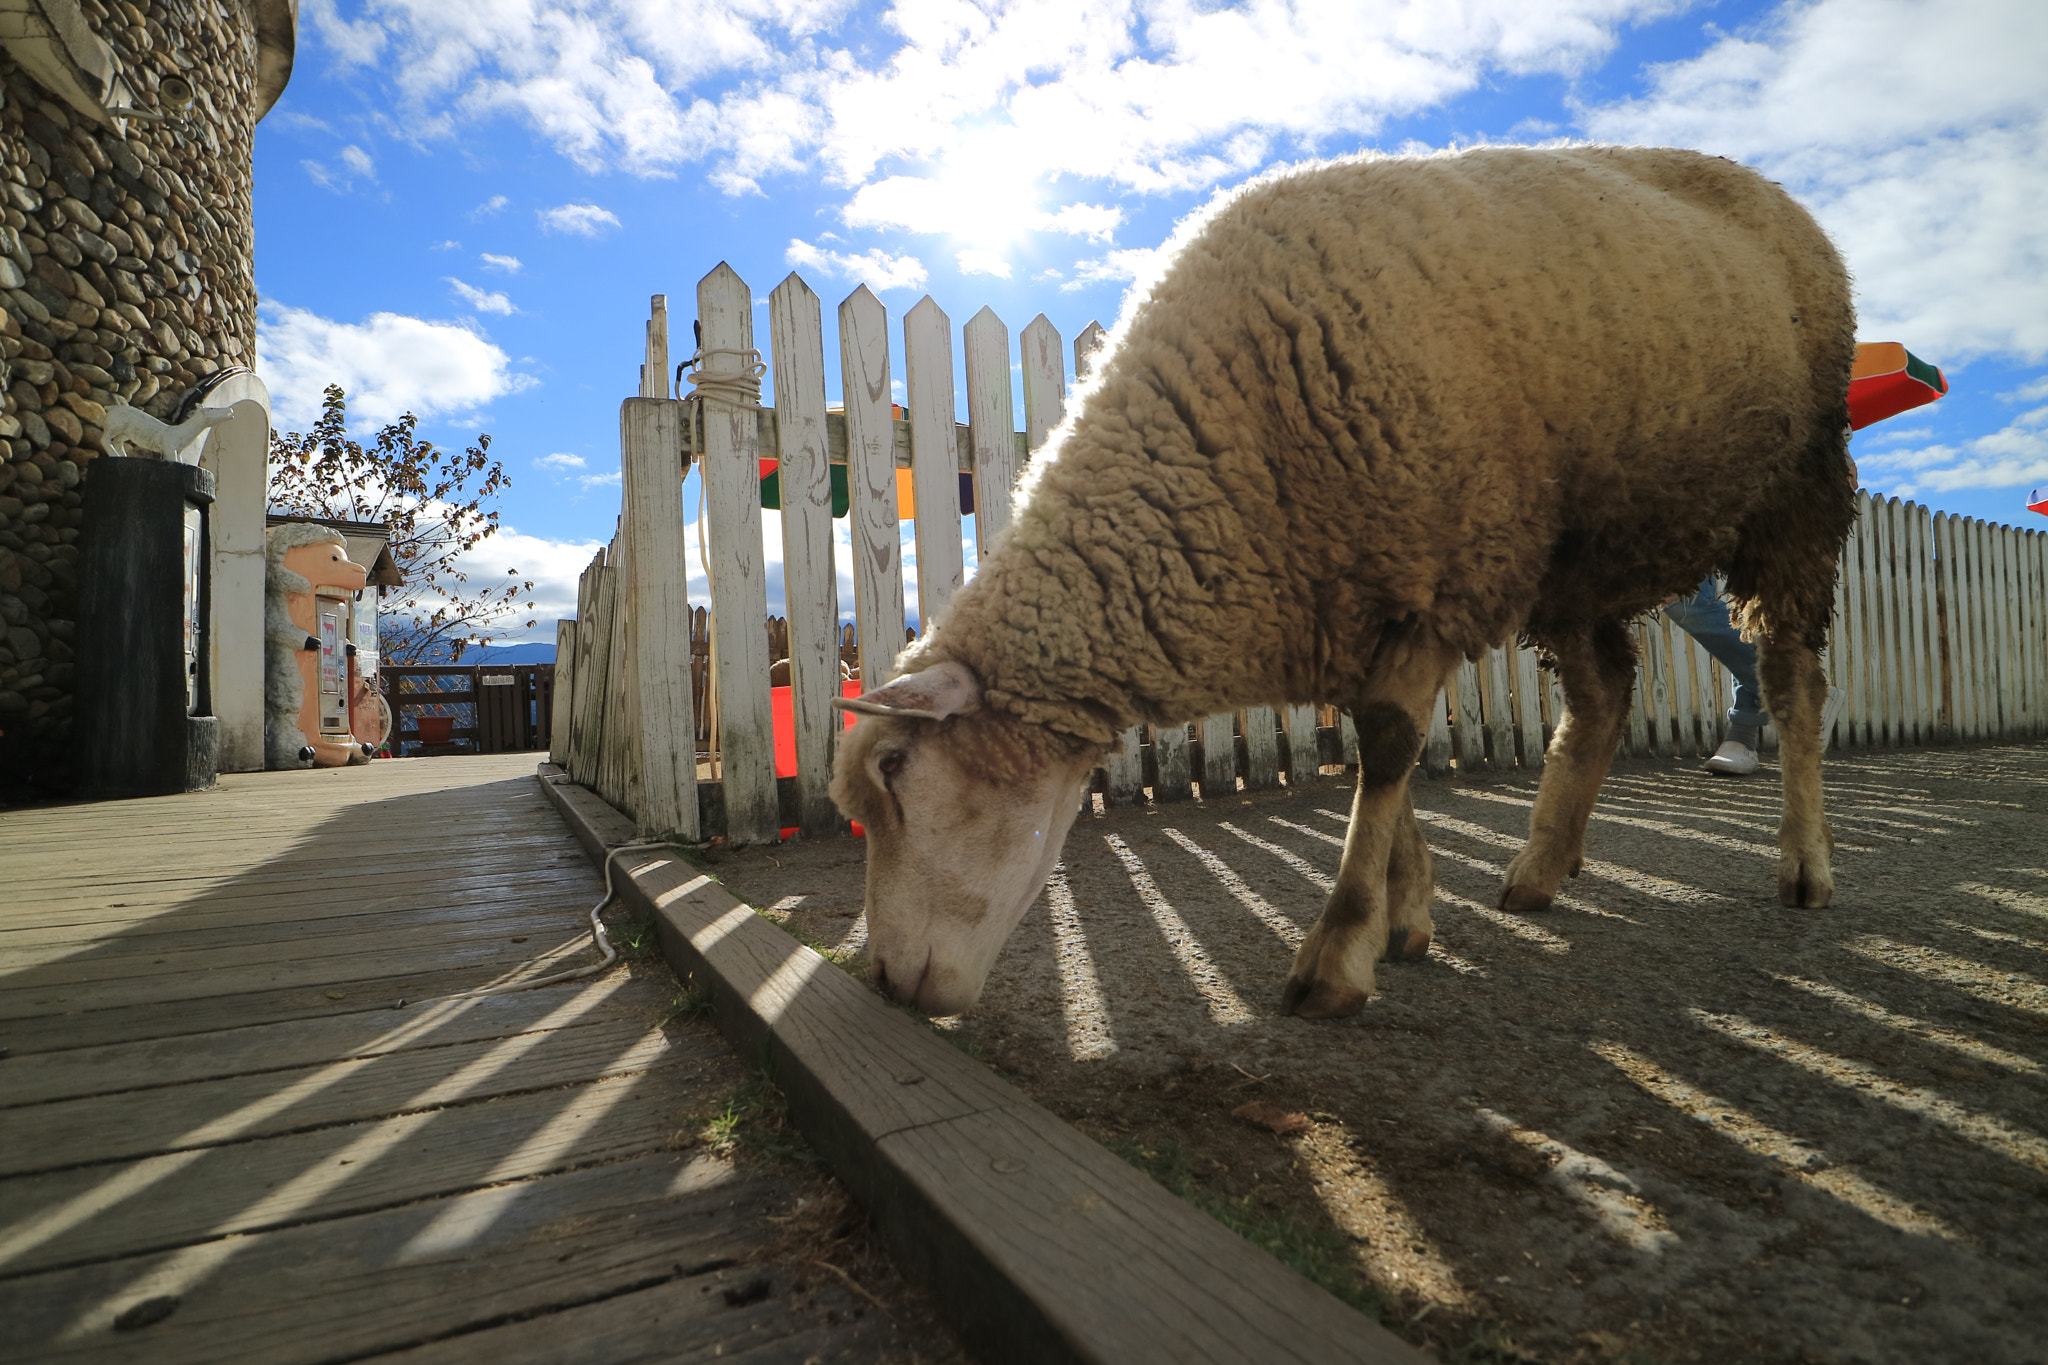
(1668, 1115)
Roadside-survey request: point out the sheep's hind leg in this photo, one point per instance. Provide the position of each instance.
(1597, 668)
(1795, 691)
(1380, 905)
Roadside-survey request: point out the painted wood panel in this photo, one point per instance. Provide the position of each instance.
(871, 485)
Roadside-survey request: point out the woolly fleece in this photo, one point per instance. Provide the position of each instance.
(1506, 389)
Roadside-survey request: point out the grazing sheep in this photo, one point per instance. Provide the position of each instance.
(1376, 416)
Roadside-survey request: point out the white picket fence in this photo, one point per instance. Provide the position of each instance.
(1939, 632)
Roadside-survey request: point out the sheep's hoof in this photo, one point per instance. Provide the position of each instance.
(1524, 900)
(1309, 998)
(1805, 883)
(1406, 945)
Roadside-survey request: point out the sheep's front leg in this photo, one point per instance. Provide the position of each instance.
(1795, 691)
(1380, 905)
(1597, 668)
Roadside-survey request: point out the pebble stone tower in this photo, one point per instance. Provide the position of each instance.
(126, 275)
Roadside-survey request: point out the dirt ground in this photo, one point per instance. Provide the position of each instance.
(1665, 1121)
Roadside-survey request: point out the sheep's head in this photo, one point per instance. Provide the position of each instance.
(964, 823)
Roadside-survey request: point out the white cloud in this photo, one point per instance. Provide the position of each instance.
(1918, 134)
(494, 204)
(1096, 222)
(1138, 265)
(2014, 457)
(875, 268)
(973, 262)
(446, 244)
(553, 566)
(358, 160)
(1146, 97)
(492, 302)
(560, 460)
(612, 480)
(389, 363)
(584, 220)
(509, 264)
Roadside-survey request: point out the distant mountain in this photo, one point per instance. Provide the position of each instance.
(495, 655)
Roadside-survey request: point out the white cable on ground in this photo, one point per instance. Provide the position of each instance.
(601, 939)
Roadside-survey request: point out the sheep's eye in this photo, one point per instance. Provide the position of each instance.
(892, 762)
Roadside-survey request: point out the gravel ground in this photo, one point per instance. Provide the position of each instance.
(1667, 1120)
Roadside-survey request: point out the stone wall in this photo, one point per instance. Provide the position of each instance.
(126, 275)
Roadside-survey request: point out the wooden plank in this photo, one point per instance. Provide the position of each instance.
(1638, 727)
(871, 485)
(1955, 667)
(2033, 631)
(650, 432)
(1044, 381)
(182, 1197)
(1867, 714)
(935, 480)
(585, 1236)
(1466, 732)
(1897, 637)
(739, 588)
(1093, 339)
(1920, 567)
(1436, 746)
(1499, 704)
(1125, 768)
(140, 1065)
(985, 343)
(2008, 643)
(594, 645)
(1219, 756)
(1261, 748)
(1528, 708)
(810, 578)
(621, 687)
(1685, 711)
(1173, 760)
(1303, 762)
(236, 1109)
(1044, 1246)
(1971, 598)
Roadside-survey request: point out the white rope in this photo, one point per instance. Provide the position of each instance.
(741, 385)
(600, 938)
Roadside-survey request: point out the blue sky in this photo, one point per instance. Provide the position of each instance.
(462, 209)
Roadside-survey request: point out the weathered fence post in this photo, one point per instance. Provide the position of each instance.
(934, 458)
(871, 485)
(739, 591)
(650, 443)
(564, 706)
(809, 581)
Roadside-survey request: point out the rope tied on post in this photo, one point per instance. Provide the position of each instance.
(740, 385)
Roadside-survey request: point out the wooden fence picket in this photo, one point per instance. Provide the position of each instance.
(871, 485)
(1172, 763)
(810, 578)
(985, 343)
(562, 706)
(1528, 707)
(650, 435)
(1261, 748)
(934, 458)
(730, 468)
(1303, 760)
(1219, 756)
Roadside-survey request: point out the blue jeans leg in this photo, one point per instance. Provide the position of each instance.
(1704, 616)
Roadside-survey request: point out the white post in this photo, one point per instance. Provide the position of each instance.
(651, 442)
(238, 453)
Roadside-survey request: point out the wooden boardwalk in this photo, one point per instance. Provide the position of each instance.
(220, 1139)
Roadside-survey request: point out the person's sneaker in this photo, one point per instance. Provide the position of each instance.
(1733, 758)
(1828, 713)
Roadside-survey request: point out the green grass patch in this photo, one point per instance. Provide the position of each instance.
(753, 1120)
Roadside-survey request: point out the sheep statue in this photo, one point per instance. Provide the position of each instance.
(131, 429)
(1375, 416)
(298, 557)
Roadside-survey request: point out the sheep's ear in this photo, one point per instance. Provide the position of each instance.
(947, 689)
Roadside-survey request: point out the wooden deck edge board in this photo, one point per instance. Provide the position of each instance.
(1040, 1244)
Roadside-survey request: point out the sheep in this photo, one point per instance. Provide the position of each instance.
(1375, 416)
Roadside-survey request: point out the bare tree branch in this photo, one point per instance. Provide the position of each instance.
(435, 503)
